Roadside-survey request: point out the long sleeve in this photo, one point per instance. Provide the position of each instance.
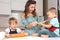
(24, 22)
(38, 19)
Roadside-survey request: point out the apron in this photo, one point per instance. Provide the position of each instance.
(13, 32)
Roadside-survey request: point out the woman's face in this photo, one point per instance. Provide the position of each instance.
(32, 7)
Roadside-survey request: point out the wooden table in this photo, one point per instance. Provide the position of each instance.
(27, 38)
(31, 38)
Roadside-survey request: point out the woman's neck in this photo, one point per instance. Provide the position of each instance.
(29, 14)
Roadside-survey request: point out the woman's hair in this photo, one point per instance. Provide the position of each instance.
(29, 2)
(12, 19)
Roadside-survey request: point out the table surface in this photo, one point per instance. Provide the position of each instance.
(32, 38)
(27, 38)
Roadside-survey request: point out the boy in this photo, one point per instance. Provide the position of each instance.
(53, 26)
(13, 31)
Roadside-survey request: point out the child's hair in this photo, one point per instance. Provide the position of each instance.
(52, 8)
(12, 19)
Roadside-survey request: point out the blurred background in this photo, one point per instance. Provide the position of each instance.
(13, 8)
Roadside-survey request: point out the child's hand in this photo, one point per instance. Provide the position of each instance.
(7, 35)
(40, 23)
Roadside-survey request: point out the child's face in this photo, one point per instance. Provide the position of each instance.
(50, 14)
(13, 25)
(53, 10)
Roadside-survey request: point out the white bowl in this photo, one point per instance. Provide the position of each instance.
(2, 35)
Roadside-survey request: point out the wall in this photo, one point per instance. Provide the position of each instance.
(4, 18)
(19, 5)
(52, 3)
(5, 8)
(39, 7)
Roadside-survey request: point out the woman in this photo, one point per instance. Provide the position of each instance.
(29, 18)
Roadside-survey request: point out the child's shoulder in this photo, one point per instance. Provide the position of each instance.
(18, 30)
(7, 29)
(54, 19)
(54, 22)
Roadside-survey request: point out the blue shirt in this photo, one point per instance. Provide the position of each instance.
(55, 23)
(28, 20)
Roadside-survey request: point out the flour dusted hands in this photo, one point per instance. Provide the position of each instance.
(34, 23)
(7, 35)
(31, 24)
(41, 23)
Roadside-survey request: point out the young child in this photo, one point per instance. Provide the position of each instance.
(13, 31)
(53, 26)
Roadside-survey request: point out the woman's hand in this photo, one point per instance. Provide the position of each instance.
(34, 23)
(35, 34)
(31, 25)
(44, 36)
(26, 34)
(40, 23)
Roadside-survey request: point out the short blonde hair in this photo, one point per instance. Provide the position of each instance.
(52, 8)
(12, 19)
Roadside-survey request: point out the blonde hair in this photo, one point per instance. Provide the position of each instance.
(52, 8)
(12, 19)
